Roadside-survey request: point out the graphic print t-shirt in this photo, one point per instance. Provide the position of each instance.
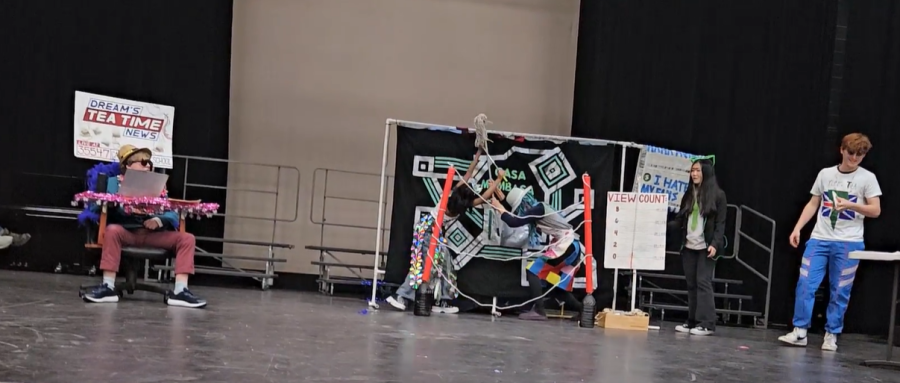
(858, 186)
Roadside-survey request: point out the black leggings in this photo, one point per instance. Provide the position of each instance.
(535, 286)
(536, 289)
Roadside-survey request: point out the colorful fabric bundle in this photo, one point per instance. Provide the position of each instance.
(561, 275)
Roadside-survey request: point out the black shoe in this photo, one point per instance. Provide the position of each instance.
(101, 294)
(185, 299)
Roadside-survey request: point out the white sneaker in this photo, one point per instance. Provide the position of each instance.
(683, 328)
(830, 343)
(444, 308)
(5, 241)
(795, 338)
(397, 302)
(701, 331)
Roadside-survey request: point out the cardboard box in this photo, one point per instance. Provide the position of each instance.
(639, 321)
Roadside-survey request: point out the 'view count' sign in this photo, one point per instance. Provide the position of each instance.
(635, 231)
(103, 124)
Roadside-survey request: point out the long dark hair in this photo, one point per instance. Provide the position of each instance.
(461, 199)
(706, 193)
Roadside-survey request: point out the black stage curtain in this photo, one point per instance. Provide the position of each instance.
(168, 52)
(871, 96)
(548, 167)
(748, 81)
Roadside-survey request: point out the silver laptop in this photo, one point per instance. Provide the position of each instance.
(143, 184)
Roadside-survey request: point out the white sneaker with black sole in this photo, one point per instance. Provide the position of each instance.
(185, 299)
(683, 328)
(830, 343)
(444, 308)
(795, 338)
(397, 302)
(702, 331)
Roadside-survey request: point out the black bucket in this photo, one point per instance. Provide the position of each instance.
(424, 301)
(587, 313)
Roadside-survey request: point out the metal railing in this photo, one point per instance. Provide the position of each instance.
(275, 193)
(321, 219)
(769, 249)
(322, 177)
(739, 235)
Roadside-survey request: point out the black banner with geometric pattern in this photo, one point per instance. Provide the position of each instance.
(552, 169)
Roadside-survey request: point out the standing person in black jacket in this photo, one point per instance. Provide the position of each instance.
(701, 226)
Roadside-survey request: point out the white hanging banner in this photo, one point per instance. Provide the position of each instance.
(103, 124)
(663, 171)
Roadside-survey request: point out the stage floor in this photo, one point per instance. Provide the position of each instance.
(47, 334)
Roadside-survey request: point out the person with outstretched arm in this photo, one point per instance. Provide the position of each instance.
(842, 197)
(560, 258)
(461, 198)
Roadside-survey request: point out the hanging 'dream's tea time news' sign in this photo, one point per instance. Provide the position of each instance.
(103, 124)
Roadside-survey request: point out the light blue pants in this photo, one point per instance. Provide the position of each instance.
(407, 292)
(835, 256)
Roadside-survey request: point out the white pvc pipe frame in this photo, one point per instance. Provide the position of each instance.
(422, 125)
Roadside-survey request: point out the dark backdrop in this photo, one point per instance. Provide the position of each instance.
(869, 103)
(750, 82)
(168, 52)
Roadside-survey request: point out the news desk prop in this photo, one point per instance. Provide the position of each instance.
(144, 205)
(895, 259)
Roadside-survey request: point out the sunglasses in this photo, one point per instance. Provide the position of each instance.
(142, 162)
(857, 152)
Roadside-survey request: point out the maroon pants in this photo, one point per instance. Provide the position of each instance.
(116, 236)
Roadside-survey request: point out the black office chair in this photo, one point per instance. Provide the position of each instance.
(132, 262)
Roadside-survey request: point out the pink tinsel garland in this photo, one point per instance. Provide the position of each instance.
(148, 205)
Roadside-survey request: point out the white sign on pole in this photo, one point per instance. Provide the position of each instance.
(103, 124)
(636, 231)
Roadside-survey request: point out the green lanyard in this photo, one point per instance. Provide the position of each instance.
(695, 214)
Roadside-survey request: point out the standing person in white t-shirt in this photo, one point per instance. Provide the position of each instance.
(843, 196)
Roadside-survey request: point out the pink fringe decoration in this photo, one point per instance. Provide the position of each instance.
(149, 205)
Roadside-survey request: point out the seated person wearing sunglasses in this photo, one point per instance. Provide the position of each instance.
(139, 230)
